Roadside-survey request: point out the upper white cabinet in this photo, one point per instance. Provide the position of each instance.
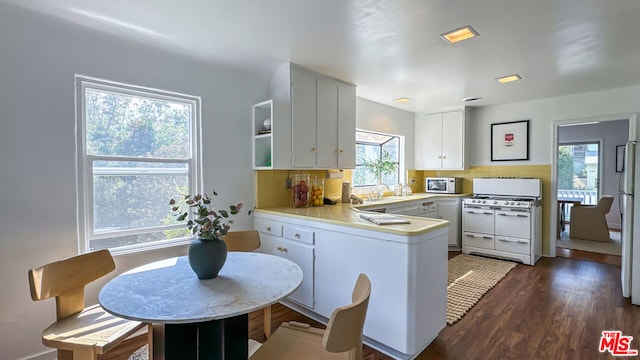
(321, 119)
(439, 141)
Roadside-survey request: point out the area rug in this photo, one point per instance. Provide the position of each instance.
(468, 279)
(613, 247)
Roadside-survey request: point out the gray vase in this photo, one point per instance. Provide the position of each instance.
(207, 257)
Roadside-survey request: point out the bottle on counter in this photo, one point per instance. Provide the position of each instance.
(397, 190)
(300, 190)
(346, 192)
(317, 192)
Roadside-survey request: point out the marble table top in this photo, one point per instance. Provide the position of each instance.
(169, 292)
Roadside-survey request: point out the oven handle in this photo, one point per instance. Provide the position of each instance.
(478, 236)
(511, 241)
(517, 215)
(480, 212)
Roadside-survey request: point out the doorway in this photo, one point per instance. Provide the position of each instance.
(584, 170)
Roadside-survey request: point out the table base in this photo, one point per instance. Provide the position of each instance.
(210, 340)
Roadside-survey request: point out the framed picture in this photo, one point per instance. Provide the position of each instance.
(510, 141)
(619, 158)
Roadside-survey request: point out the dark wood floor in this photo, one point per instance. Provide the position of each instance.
(556, 309)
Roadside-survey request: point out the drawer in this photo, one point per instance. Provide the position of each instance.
(513, 245)
(299, 234)
(478, 240)
(268, 227)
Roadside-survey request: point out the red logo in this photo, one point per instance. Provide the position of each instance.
(617, 344)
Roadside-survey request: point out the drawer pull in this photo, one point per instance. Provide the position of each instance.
(268, 228)
(487, 237)
(297, 236)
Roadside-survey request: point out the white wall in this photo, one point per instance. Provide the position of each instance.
(542, 114)
(37, 147)
(373, 116)
(610, 134)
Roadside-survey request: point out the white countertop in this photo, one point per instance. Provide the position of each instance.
(344, 214)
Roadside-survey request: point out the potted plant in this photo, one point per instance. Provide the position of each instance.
(208, 252)
(384, 165)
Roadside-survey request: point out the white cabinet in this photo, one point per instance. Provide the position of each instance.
(449, 209)
(293, 243)
(439, 141)
(322, 118)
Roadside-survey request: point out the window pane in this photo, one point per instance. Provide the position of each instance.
(129, 195)
(128, 125)
(391, 147)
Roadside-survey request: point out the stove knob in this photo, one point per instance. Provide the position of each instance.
(495, 202)
(512, 202)
(484, 201)
(518, 203)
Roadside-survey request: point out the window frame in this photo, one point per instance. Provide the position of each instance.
(400, 161)
(85, 172)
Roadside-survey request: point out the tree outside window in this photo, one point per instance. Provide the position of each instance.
(380, 149)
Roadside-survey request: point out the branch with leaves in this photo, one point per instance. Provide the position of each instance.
(208, 222)
(379, 167)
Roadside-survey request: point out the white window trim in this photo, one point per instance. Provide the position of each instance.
(84, 175)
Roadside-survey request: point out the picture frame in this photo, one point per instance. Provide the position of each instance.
(510, 141)
(619, 158)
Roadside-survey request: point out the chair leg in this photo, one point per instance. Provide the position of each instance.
(150, 341)
(65, 355)
(84, 352)
(267, 321)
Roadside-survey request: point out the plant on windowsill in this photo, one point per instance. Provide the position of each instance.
(208, 252)
(384, 165)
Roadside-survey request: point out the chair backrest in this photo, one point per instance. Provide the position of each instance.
(604, 204)
(344, 330)
(242, 240)
(65, 280)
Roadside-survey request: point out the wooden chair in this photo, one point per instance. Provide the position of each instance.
(82, 333)
(248, 241)
(341, 340)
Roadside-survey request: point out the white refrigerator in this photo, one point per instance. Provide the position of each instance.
(630, 209)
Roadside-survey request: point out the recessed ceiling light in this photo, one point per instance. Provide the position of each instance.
(472, 98)
(403, 100)
(509, 78)
(463, 33)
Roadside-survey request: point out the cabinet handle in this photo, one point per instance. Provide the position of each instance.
(313, 149)
(297, 236)
(487, 237)
(444, 157)
(268, 228)
(341, 151)
(284, 249)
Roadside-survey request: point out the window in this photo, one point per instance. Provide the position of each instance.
(137, 148)
(372, 146)
(579, 172)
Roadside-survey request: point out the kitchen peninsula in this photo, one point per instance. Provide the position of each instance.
(407, 265)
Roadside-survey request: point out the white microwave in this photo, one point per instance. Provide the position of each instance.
(443, 185)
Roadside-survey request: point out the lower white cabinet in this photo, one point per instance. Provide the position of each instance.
(295, 244)
(408, 274)
(450, 209)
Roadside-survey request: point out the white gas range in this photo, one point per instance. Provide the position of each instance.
(504, 219)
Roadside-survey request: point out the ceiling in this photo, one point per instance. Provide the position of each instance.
(392, 48)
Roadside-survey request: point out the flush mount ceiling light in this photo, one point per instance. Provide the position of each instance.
(463, 33)
(509, 78)
(403, 100)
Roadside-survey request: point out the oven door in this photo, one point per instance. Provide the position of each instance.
(513, 223)
(478, 220)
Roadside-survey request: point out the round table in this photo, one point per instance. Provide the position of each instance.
(200, 319)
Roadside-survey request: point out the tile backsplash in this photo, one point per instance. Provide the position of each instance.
(271, 191)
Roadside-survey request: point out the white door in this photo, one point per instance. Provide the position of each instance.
(452, 140)
(303, 114)
(327, 124)
(302, 255)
